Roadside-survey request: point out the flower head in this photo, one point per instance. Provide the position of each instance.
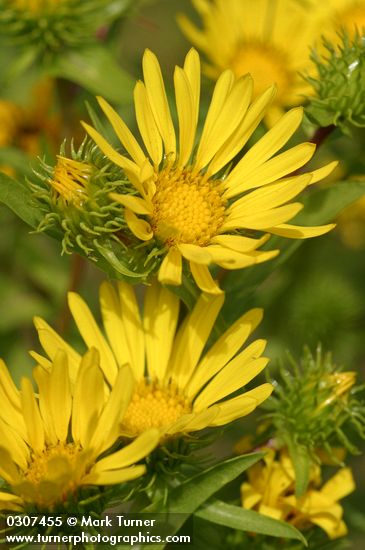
(270, 490)
(269, 40)
(51, 440)
(184, 204)
(178, 389)
(53, 24)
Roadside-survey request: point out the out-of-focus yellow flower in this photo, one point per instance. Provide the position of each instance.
(51, 440)
(23, 125)
(177, 389)
(270, 490)
(183, 200)
(270, 40)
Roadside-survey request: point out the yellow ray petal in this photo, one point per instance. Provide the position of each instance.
(270, 196)
(272, 141)
(42, 377)
(14, 444)
(133, 328)
(192, 337)
(108, 426)
(88, 398)
(192, 72)
(229, 117)
(123, 132)
(239, 243)
(201, 419)
(249, 124)
(235, 375)
(51, 342)
(223, 350)
(300, 232)
(203, 279)
(9, 502)
(8, 469)
(186, 115)
(8, 386)
(140, 228)
(131, 453)
(108, 150)
(170, 271)
(42, 361)
(158, 101)
(242, 405)
(195, 253)
(32, 416)
(147, 124)
(233, 144)
(114, 477)
(60, 396)
(230, 259)
(221, 90)
(323, 172)
(271, 170)
(340, 485)
(262, 220)
(136, 204)
(91, 334)
(161, 311)
(113, 323)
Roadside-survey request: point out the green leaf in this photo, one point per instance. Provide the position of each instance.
(18, 197)
(95, 69)
(320, 207)
(247, 520)
(192, 493)
(302, 463)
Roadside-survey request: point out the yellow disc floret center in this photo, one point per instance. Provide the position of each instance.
(187, 208)
(52, 474)
(153, 406)
(265, 64)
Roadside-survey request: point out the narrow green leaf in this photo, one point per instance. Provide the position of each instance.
(247, 520)
(18, 198)
(192, 493)
(95, 69)
(302, 463)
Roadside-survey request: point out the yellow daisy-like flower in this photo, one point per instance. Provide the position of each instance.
(269, 40)
(183, 202)
(51, 441)
(341, 14)
(270, 490)
(177, 389)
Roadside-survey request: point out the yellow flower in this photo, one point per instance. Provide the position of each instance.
(184, 202)
(269, 40)
(270, 490)
(51, 441)
(341, 14)
(177, 389)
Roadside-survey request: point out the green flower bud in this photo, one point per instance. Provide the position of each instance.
(340, 88)
(315, 406)
(75, 198)
(51, 24)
